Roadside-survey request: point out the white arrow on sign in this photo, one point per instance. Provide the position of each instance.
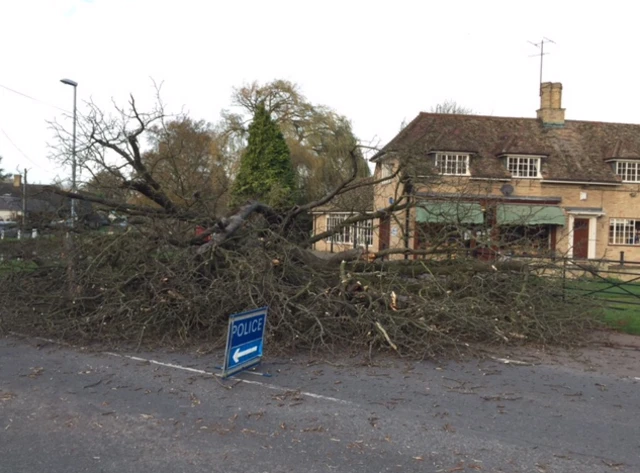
(240, 353)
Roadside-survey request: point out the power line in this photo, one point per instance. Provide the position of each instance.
(17, 147)
(33, 98)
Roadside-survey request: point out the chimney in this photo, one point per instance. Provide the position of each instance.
(17, 180)
(551, 112)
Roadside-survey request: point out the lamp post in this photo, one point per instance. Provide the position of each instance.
(73, 84)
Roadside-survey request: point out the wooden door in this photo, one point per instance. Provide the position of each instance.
(581, 238)
(385, 233)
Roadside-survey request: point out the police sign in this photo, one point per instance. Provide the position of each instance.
(245, 341)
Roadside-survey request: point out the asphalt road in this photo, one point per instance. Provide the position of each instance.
(67, 410)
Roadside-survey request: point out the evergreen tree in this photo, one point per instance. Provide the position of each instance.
(3, 175)
(266, 172)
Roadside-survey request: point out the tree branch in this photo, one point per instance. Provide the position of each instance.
(225, 229)
(131, 209)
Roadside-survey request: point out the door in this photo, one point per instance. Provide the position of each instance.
(581, 238)
(385, 233)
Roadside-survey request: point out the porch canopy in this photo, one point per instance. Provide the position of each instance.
(449, 212)
(528, 215)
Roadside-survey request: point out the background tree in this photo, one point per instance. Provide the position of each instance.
(3, 174)
(187, 161)
(107, 184)
(320, 140)
(451, 106)
(265, 172)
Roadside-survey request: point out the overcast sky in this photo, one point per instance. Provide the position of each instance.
(377, 62)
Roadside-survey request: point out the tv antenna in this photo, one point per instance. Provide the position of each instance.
(540, 45)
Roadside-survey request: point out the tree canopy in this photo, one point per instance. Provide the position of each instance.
(107, 184)
(186, 160)
(321, 141)
(3, 174)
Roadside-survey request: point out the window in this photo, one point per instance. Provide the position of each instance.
(525, 240)
(628, 170)
(360, 233)
(386, 170)
(452, 164)
(624, 231)
(436, 235)
(523, 166)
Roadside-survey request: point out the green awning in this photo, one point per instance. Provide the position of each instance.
(449, 212)
(510, 214)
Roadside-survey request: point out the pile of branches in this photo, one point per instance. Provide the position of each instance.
(128, 288)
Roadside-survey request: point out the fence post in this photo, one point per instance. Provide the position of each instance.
(622, 258)
(564, 279)
(355, 236)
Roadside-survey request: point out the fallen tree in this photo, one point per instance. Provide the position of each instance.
(133, 289)
(158, 283)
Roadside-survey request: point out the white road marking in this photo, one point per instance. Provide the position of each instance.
(194, 370)
(246, 381)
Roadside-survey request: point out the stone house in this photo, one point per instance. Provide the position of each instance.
(506, 185)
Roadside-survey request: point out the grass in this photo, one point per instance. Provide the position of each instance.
(17, 265)
(621, 301)
(624, 320)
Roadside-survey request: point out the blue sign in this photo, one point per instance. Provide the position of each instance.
(245, 340)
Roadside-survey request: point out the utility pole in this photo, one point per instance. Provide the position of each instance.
(24, 200)
(74, 189)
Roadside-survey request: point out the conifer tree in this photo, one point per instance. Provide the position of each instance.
(266, 172)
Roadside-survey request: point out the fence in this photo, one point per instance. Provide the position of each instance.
(613, 285)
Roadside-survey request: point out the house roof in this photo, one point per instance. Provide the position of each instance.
(575, 151)
(356, 200)
(14, 204)
(40, 198)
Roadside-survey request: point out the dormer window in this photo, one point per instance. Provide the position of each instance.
(452, 164)
(525, 167)
(628, 170)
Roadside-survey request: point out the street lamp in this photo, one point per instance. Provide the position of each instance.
(73, 84)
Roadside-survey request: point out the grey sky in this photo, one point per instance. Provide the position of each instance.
(376, 62)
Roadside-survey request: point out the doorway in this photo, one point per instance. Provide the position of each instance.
(385, 233)
(581, 238)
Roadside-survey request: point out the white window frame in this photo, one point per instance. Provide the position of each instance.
(624, 231)
(524, 167)
(362, 231)
(627, 168)
(453, 164)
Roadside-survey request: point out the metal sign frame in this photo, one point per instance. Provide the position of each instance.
(247, 345)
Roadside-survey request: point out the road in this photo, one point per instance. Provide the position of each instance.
(68, 410)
